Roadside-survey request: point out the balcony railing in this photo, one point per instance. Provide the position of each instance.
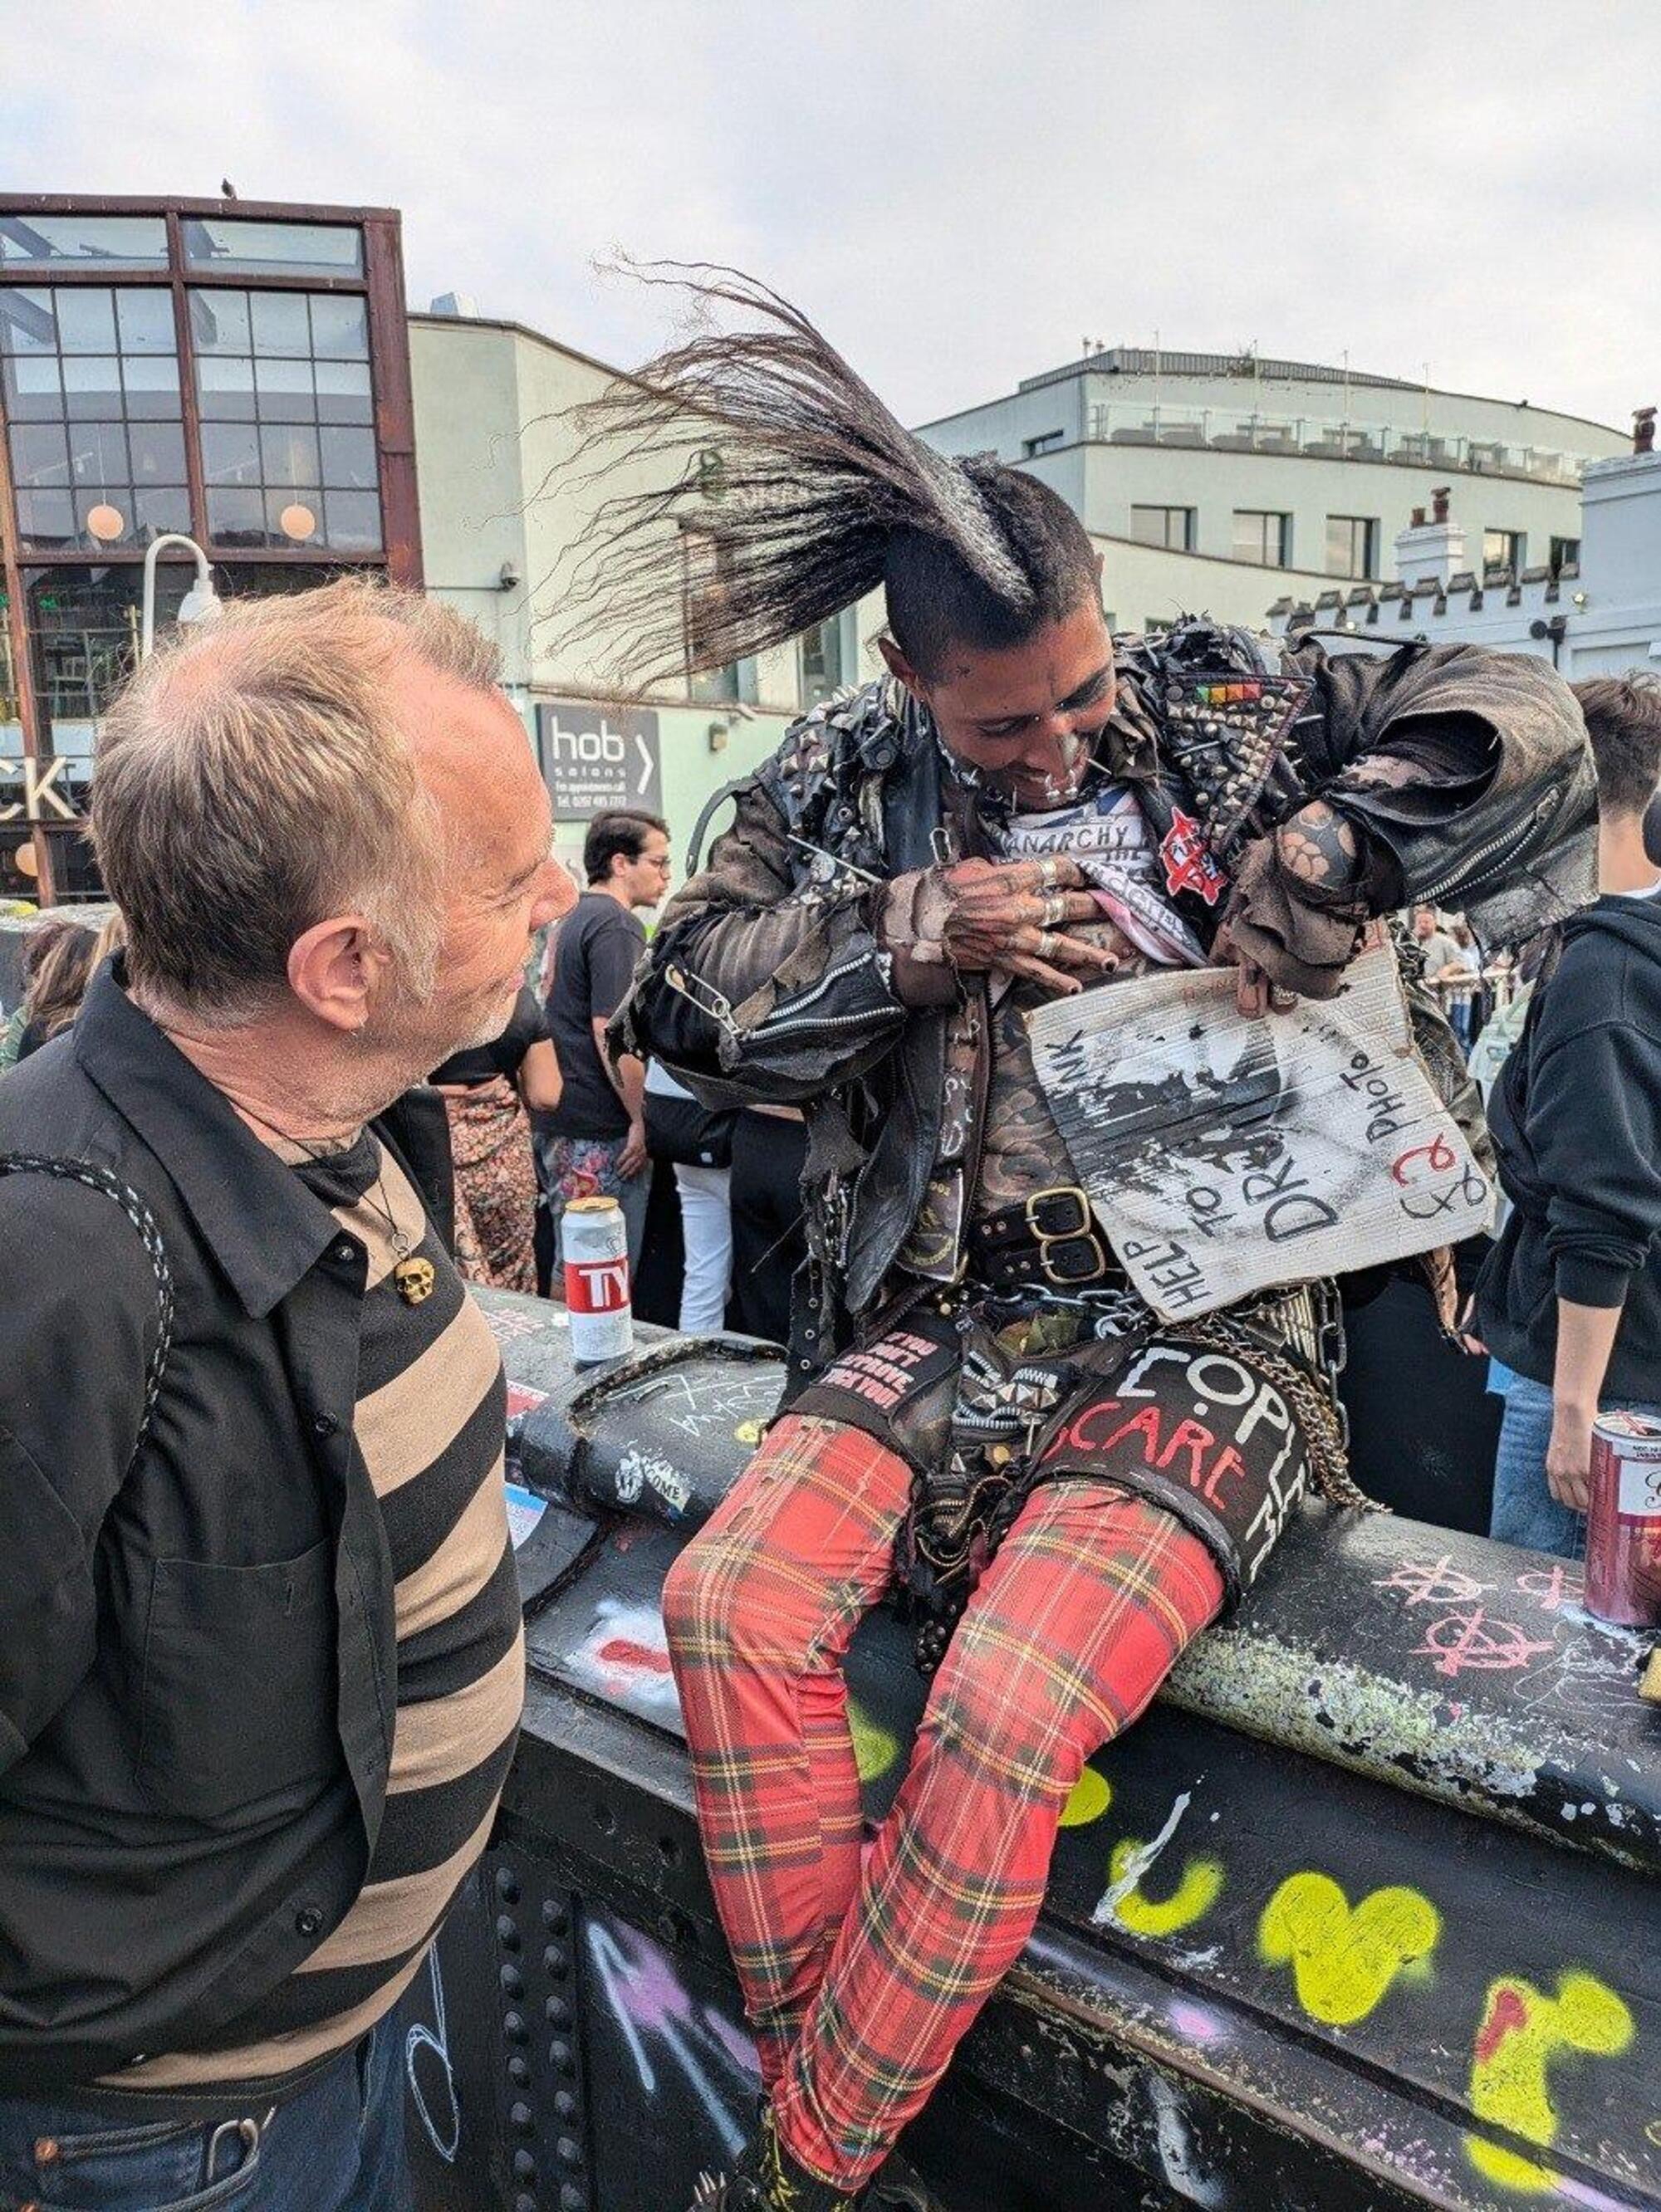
(1227, 429)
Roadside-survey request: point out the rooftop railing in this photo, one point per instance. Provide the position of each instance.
(1228, 429)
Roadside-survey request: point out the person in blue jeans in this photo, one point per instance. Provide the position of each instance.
(338, 2143)
(1569, 1300)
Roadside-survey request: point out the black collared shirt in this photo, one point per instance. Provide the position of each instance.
(197, 1648)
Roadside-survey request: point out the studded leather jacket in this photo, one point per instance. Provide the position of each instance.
(1465, 775)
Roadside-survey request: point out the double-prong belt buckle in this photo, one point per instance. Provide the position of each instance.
(1064, 1229)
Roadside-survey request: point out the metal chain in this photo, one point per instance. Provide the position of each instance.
(1328, 1463)
(100, 1179)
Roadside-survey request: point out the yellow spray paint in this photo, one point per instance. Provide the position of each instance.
(1344, 1959)
(1522, 2031)
(1091, 1794)
(1193, 1898)
(875, 1748)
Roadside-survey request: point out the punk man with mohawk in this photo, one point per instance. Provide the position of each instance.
(903, 881)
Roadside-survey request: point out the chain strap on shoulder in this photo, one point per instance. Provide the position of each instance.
(100, 1179)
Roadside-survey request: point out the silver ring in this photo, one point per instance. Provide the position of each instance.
(1046, 946)
(1050, 871)
(1055, 909)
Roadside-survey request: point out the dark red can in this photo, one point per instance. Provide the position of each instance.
(1623, 1527)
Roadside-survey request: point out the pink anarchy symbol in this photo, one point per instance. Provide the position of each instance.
(1460, 1640)
(1551, 1585)
(1438, 1584)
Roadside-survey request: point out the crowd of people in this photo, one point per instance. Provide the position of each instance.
(543, 1114)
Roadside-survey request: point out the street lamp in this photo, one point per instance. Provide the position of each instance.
(199, 604)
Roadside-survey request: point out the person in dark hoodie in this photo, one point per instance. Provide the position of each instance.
(1570, 1298)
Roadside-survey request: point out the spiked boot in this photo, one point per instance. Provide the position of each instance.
(767, 2180)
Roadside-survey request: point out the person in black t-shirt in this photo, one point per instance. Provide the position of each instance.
(594, 1141)
(486, 1091)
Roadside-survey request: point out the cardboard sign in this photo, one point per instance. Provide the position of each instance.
(1223, 1155)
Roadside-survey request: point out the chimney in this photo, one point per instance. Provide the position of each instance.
(1432, 551)
(460, 305)
(1643, 430)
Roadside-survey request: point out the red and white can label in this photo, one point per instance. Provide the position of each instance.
(1623, 1528)
(597, 1286)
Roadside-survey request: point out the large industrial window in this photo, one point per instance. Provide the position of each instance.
(288, 414)
(90, 374)
(236, 246)
(1352, 545)
(1169, 526)
(1263, 537)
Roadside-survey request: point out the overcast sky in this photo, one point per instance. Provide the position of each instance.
(958, 190)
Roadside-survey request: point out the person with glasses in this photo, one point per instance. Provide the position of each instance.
(594, 1142)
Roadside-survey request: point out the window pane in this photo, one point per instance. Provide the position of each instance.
(27, 321)
(281, 325)
(293, 249)
(353, 520)
(135, 241)
(152, 383)
(287, 455)
(236, 517)
(349, 459)
(40, 458)
(340, 326)
(230, 453)
(121, 501)
(98, 456)
(226, 389)
(86, 320)
(285, 390)
(145, 318)
(45, 518)
(158, 507)
(342, 393)
(34, 388)
(219, 322)
(92, 386)
(293, 517)
(158, 452)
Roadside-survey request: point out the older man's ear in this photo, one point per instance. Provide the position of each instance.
(336, 968)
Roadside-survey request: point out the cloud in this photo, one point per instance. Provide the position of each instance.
(958, 191)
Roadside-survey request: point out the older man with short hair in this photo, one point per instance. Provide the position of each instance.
(260, 1664)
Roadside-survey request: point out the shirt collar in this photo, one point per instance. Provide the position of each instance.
(263, 1225)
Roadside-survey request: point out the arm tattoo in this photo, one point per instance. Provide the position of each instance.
(1319, 847)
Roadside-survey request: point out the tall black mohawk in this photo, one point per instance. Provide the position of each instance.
(766, 439)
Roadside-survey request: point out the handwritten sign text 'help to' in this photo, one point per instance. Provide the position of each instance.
(1224, 1155)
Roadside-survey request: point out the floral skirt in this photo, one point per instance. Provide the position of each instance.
(495, 1186)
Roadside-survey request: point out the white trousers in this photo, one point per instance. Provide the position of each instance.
(706, 1221)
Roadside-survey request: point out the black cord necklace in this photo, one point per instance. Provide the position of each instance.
(413, 1276)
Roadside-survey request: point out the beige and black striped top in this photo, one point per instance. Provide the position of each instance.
(428, 1424)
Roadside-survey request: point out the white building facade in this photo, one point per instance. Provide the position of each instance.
(1599, 616)
(1197, 472)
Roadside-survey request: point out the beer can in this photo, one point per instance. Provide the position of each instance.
(595, 1245)
(1623, 1524)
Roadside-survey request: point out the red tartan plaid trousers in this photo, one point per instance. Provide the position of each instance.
(860, 1971)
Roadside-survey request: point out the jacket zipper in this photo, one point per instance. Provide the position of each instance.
(1542, 812)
